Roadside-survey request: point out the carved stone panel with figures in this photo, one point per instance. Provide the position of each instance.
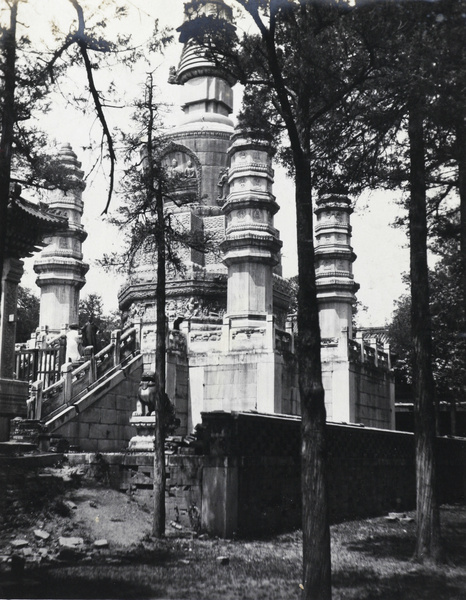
(180, 165)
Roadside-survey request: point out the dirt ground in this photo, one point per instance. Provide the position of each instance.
(84, 540)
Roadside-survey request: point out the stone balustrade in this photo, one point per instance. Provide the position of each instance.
(78, 378)
(361, 352)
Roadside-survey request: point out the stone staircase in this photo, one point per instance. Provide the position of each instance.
(84, 401)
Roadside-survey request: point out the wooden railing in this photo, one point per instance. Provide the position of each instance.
(77, 379)
(40, 364)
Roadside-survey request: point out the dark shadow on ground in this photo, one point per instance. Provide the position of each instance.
(455, 548)
(38, 586)
(418, 585)
(389, 545)
(80, 580)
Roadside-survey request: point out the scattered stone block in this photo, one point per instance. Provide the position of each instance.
(41, 534)
(203, 536)
(223, 560)
(26, 551)
(175, 525)
(407, 520)
(71, 505)
(19, 543)
(101, 543)
(92, 504)
(70, 542)
(184, 561)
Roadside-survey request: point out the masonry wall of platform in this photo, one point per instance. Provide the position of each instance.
(103, 424)
(248, 482)
(359, 393)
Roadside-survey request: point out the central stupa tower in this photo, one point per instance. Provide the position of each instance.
(205, 155)
(196, 155)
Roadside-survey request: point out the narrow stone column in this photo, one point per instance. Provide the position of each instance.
(251, 246)
(60, 267)
(335, 283)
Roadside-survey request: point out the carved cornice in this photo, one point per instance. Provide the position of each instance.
(255, 168)
(231, 230)
(197, 133)
(205, 286)
(259, 199)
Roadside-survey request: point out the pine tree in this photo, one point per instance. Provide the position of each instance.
(151, 230)
(296, 70)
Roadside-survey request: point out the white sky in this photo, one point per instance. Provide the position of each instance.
(382, 251)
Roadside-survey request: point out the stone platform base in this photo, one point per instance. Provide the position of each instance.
(143, 441)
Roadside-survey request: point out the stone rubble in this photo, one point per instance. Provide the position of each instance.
(42, 535)
(70, 542)
(401, 517)
(38, 546)
(19, 543)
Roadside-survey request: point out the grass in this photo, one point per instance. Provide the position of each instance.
(371, 560)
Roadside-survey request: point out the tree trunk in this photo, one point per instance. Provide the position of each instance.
(453, 416)
(6, 141)
(428, 520)
(316, 532)
(159, 441)
(461, 159)
(156, 194)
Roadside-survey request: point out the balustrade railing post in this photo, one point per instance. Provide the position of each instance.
(115, 339)
(67, 374)
(61, 351)
(375, 345)
(35, 363)
(386, 348)
(89, 356)
(36, 392)
(360, 341)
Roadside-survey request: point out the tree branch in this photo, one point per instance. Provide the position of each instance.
(83, 46)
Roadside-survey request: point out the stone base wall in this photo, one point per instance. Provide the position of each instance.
(372, 393)
(359, 393)
(249, 483)
(99, 422)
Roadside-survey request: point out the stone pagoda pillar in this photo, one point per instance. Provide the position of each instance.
(335, 295)
(60, 267)
(251, 246)
(334, 259)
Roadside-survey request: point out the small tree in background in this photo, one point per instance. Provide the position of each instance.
(27, 315)
(91, 307)
(448, 342)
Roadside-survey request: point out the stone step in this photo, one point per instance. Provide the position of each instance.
(17, 447)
